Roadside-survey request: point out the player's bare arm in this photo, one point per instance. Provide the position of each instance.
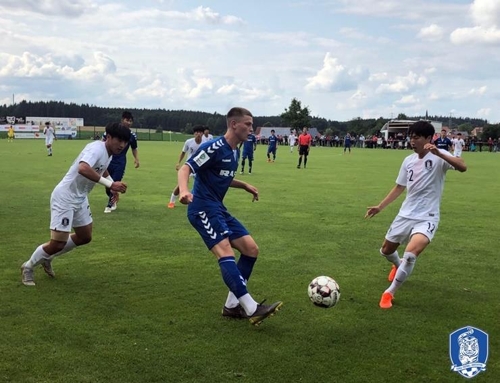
(185, 196)
(135, 153)
(86, 170)
(395, 192)
(247, 187)
(457, 162)
(178, 165)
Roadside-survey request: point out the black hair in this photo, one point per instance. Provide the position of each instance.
(127, 116)
(421, 129)
(199, 128)
(273, 131)
(117, 130)
(238, 112)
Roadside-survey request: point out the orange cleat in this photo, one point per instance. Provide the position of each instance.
(171, 205)
(392, 273)
(386, 300)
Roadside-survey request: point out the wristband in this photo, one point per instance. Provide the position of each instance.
(106, 182)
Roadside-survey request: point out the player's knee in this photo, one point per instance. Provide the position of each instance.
(252, 250)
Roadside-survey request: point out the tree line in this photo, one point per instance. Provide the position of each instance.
(295, 116)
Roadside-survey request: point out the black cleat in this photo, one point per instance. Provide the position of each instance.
(264, 311)
(234, 312)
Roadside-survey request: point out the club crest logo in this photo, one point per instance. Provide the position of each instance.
(468, 351)
(428, 165)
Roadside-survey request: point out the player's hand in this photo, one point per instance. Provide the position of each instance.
(136, 163)
(177, 166)
(431, 148)
(253, 191)
(185, 198)
(118, 186)
(372, 211)
(115, 197)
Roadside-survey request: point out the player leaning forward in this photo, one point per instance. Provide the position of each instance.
(215, 165)
(423, 174)
(69, 205)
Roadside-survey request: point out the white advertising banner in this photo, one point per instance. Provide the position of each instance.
(29, 135)
(20, 128)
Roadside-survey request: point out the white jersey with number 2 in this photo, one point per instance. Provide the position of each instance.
(424, 181)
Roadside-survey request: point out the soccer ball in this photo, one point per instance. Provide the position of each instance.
(324, 292)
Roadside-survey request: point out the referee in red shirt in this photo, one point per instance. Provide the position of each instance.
(305, 141)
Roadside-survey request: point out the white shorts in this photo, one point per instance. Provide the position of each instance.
(64, 216)
(402, 229)
(49, 141)
(457, 153)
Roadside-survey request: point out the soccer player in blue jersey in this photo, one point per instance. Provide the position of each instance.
(215, 165)
(249, 146)
(271, 149)
(347, 143)
(443, 142)
(117, 166)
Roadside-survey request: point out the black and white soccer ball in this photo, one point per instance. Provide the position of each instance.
(324, 292)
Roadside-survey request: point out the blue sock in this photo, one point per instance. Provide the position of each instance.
(232, 276)
(245, 265)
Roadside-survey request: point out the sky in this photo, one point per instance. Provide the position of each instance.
(343, 59)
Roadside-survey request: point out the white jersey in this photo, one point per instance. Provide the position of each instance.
(424, 180)
(49, 134)
(190, 147)
(74, 188)
(458, 144)
(206, 138)
(291, 139)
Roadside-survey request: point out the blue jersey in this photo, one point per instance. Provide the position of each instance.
(121, 158)
(347, 141)
(214, 164)
(249, 144)
(273, 140)
(443, 143)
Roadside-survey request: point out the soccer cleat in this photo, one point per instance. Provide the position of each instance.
(386, 300)
(241, 172)
(113, 208)
(171, 205)
(234, 312)
(264, 311)
(250, 171)
(298, 166)
(268, 160)
(107, 209)
(27, 276)
(392, 273)
(47, 267)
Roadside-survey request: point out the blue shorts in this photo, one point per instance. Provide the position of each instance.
(116, 171)
(215, 225)
(247, 155)
(271, 150)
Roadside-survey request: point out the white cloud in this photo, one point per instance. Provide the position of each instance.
(431, 33)
(486, 13)
(403, 84)
(483, 112)
(478, 91)
(67, 8)
(408, 100)
(486, 16)
(332, 77)
(203, 14)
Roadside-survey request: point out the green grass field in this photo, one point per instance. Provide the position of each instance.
(142, 301)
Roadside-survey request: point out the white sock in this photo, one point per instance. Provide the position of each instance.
(70, 245)
(172, 198)
(393, 258)
(37, 257)
(403, 272)
(231, 301)
(248, 304)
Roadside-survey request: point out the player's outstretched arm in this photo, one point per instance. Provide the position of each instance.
(135, 153)
(457, 162)
(185, 196)
(391, 197)
(247, 187)
(86, 171)
(178, 164)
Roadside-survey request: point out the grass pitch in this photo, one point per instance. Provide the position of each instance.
(142, 302)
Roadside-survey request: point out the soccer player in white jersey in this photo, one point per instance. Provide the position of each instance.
(458, 145)
(190, 147)
(423, 174)
(69, 205)
(292, 138)
(206, 135)
(50, 136)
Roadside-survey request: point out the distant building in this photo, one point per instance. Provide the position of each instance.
(477, 131)
(401, 126)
